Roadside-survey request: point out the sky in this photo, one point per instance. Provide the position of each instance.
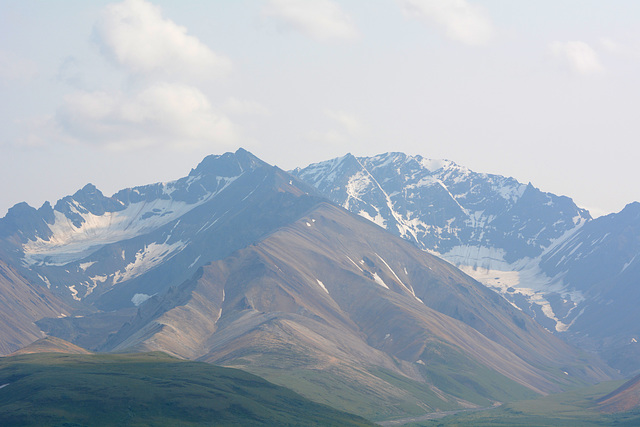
(133, 92)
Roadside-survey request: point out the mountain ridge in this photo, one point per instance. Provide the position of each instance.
(240, 263)
(540, 251)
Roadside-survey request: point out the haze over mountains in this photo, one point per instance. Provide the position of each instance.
(289, 277)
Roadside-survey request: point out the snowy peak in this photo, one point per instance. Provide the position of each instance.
(88, 200)
(440, 205)
(210, 177)
(327, 176)
(91, 216)
(90, 244)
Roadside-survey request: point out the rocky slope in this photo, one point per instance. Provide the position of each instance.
(539, 250)
(335, 296)
(623, 399)
(21, 305)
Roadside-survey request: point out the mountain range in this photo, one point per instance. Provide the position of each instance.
(540, 251)
(329, 280)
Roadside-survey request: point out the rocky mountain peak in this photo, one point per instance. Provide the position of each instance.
(227, 165)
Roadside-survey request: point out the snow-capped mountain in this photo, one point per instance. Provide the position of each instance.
(444, 207)
(89, 245)
(542, 252)
(243, 264)
(488, 225)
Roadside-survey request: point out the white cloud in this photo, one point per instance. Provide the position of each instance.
(136, 36)
(321, 20)
(462, 21)
(580, 56)
(161, 109)
(162, 115)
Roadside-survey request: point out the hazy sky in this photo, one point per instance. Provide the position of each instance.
(129, 93)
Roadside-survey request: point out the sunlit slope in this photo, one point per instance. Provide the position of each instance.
(338, 309)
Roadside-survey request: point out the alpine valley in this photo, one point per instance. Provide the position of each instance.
(365, 284)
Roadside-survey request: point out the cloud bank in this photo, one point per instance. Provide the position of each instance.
(134, 35)
(322, 20)
(579, 55)
(164, 114)
(460, 20)
(160, 106)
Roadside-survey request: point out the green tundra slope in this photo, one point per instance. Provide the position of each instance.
(52, 389)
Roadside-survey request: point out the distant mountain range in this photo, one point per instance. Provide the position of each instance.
(242, 264)
(575, 275)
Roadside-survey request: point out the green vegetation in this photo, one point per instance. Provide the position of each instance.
(451, 370)
(454, 381)
(340, 391)
(572, 408)
(148, 389)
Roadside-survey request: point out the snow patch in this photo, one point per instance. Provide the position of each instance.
(510, 192)
(194, 262)
(409, 288)
(628, 263)
(90, 288)
(433, 165)
(98, 279)
(45, 280)
(69, 243)
(322, 286)
(74, 292)
(147, 258)
(353, 262)
(357, 185)
(379, 281)
(378, 219)
(138, 299)
(83, 266)
(488, 266)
